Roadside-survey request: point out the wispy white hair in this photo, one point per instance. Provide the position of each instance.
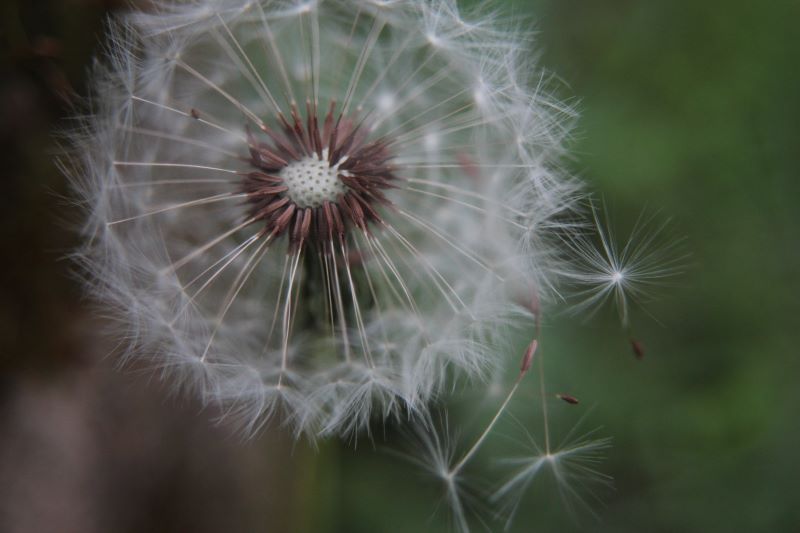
(376, 326)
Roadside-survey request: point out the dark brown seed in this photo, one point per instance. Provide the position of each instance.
(572, 400)
(638, 349)
(527, 359)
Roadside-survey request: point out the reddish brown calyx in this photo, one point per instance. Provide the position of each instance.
(315, 181)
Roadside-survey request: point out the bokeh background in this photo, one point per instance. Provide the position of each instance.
(689, 109)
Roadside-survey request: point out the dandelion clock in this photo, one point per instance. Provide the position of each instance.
(319, 213)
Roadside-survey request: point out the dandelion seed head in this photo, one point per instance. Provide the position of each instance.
(318, 212)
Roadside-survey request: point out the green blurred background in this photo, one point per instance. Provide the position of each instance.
(688, 108)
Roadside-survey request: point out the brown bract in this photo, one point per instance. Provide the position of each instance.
(362, 166)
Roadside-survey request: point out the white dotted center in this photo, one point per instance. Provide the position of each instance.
(311, 181)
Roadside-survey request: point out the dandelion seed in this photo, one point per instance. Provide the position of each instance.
(438, 452)
(315, 212)
(605, 271)
(527, 359)
(434, 454)
(638, 349)
(572, 465)
(572, 400)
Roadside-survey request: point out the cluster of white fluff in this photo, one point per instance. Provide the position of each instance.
(466, 245)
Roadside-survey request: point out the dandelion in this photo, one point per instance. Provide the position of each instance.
(317, 211)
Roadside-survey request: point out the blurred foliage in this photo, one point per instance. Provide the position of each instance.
(689, 110)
